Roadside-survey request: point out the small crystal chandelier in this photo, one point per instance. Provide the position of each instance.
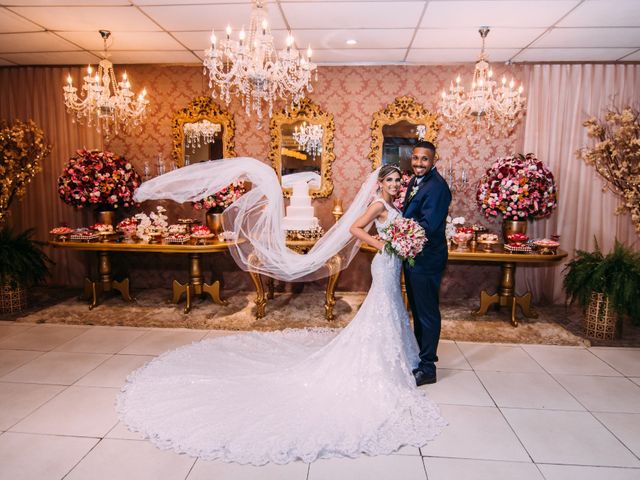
(252, 69)
(421, 131)
(199, 133)
(108, 103)
(309, 138)
(500, 107)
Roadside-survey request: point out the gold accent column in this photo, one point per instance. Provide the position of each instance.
(333, 265)
(94, 290)
(196, 285)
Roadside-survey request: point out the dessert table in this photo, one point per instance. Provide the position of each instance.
(505, 295)
(93, 289)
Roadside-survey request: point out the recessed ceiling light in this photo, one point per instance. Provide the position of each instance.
(351, 41)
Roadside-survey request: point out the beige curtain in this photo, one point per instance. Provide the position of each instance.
(560, 98)
(36, 93)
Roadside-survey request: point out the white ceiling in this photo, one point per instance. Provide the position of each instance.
(55, 32)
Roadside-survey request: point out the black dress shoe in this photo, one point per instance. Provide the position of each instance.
(423, 378)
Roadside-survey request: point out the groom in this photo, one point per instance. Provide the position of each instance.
(427, 202)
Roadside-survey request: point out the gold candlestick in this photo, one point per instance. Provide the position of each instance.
(337, 211)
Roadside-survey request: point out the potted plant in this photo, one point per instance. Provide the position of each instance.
(22, 264)
(98, 179)
(518, 188)
(606, 286)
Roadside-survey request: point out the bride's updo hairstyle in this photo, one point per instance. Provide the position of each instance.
(387, 170)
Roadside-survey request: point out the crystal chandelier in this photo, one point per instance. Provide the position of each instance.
(501, 107)
(309, 138)
(421, 131)
(199, 133)
(252, 69)
(103, 101)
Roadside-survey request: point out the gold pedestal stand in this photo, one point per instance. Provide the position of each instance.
(92, 291)
(195, 285)
(505, 297)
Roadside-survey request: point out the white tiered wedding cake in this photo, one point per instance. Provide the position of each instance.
(300, 212)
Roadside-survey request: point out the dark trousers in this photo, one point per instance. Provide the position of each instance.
(423, 291)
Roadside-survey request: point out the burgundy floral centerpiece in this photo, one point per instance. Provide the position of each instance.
(217, 202)
(98, 179)
(518, 188)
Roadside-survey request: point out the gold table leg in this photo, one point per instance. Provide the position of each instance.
(486, 301)
(196, 285)
(177, 290)
(261, 298)
(94, 290)
(506, 297)
(333, 265)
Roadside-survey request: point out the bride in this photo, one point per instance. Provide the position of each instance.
(255, 398)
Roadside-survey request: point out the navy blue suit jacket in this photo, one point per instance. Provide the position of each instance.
(430, 207)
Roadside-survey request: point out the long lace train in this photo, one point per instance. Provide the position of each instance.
(292, 395)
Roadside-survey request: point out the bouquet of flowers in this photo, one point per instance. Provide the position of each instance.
(94, 178)
(217, 202)
(517, 187)
(406, 177)
(405, 238)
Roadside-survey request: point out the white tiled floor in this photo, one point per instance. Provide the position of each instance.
(515, 412)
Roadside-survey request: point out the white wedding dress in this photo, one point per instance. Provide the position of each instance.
(255, 398)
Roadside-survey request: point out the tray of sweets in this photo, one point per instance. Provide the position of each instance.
(84, 236)
(188, 221)
(517, 238)
(178, 238)
(517, 247)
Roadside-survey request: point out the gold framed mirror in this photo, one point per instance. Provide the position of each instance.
(397, 128)
(301, 147)
(202, 131)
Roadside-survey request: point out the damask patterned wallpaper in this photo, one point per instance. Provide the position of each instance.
(352, 94)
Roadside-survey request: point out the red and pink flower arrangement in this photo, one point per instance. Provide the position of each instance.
(518, 187)
(217, 202)
(405, 238)
(101, 179)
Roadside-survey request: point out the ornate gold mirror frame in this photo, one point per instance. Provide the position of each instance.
(403, 108)
(202, 108)
(305, 111)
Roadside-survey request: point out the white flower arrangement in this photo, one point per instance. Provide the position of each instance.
(452, 224)
(152, 224)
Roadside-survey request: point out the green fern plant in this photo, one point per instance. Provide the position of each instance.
(22, 261)
(616, 274)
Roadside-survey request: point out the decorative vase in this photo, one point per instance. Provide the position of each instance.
(513, 226)
(601, 320)
(214, 222)
(12, 299)
(108, 217)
